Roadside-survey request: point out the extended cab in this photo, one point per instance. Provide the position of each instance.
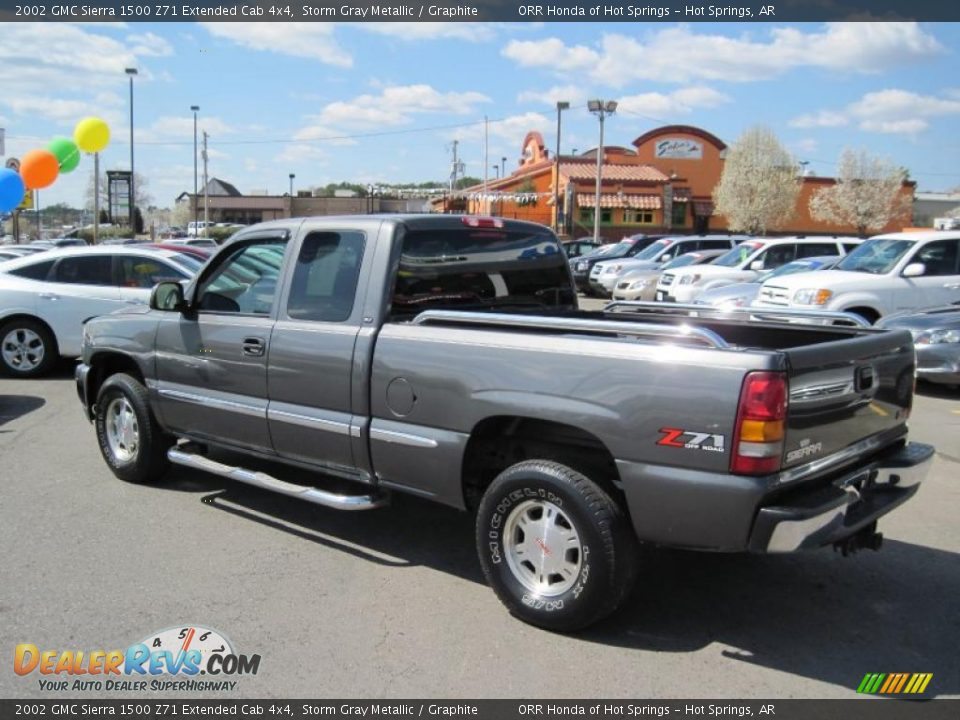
(744, 263)
(886, 274)
(446, 357)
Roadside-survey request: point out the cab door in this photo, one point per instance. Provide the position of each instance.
(940, 282)
(212, 358)
(311, 368)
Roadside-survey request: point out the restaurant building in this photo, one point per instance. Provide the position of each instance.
(662, 184)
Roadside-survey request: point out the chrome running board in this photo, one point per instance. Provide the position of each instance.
(313, 495)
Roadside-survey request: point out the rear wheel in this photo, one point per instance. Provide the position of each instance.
(27, 348)
(131, 441)
(555, 548)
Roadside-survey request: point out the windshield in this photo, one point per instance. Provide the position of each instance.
(652, 250)
(616, 250)
(688, 259)
(737, 255)
(876, 257)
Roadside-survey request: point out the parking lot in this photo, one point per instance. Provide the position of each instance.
(391, 603)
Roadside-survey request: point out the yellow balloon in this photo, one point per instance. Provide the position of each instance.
(91, 134)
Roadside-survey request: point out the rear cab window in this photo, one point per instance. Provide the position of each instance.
(480, 268)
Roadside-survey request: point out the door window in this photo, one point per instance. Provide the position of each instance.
(85, 270)
(939, 258)
(778, 255)
(715, 244)
(143, 272)
(246, 281)
(805, 250)
(325, 277)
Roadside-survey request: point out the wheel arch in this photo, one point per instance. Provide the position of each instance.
(499, 441)
(106, 363)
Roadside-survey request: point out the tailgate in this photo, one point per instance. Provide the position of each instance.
(847, 390)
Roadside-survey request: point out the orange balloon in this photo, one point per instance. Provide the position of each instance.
(39, 168)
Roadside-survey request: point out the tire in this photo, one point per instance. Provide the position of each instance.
(131, 441)
(595, 573)
(27, 349)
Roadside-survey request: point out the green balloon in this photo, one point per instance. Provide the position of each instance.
(66, 152)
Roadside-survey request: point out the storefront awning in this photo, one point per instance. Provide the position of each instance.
(618, 200)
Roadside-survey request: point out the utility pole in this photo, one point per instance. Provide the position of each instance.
(486, 165)
(206, 202)
(561, 106)
(453, 174)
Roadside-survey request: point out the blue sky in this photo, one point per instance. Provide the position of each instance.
(273, 95)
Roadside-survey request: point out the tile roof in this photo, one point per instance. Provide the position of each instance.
(616, 200)
(588, 171)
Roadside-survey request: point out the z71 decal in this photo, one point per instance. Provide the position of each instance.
(690, 440)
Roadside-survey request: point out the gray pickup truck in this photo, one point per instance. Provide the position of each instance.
(446, 357)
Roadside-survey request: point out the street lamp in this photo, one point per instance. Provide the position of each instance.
(292, 176)
(503, 168)
(496, 169)
(133, 194)
(803, 167)
(196, 207)
(600, 108)
(561, 106)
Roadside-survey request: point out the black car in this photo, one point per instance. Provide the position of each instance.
(628, 247)
(576, 248)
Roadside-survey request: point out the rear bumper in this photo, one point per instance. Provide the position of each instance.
(835, 512)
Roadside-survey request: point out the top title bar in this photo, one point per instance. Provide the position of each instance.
(481, 11)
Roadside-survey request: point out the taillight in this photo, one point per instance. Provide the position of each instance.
(761, 424)
(481, 222)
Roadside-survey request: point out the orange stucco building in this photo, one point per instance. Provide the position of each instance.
(663, 184)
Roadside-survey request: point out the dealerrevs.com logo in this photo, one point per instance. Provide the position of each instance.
(190, 658)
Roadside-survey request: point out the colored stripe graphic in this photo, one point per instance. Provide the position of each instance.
(894, 683)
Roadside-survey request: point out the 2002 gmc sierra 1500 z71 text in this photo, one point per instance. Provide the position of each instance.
(446, 357)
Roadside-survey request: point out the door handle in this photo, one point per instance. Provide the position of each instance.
(253, 346)
(49, 296)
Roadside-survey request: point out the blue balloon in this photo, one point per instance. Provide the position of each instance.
(12, 190)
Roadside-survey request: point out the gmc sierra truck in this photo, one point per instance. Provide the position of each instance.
(446, 357)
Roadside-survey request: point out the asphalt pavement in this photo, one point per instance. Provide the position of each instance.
(391, 603)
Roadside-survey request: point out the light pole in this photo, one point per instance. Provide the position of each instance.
(496, 169)
(292, 176)
(133, 193)
(196, 205)
(803, 167)
(503, 167)
(561, 106)
(600, 108)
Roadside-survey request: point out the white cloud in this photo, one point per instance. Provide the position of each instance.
(394, 106)
(823, 118)
(413, 31)
(573, 94)
(313, 40)
(807, 145)
(149, 44)
(621, 59)
(511, 129)
(174, 127)
(295, 154)
(678, 102)
(891, 111)
(327, 135)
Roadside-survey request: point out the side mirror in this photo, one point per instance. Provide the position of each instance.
(167, 296)
(665, 257)
(756, 265)
(914, 270)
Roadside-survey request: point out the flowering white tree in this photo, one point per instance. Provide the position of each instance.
(759, 186)
(868, 194)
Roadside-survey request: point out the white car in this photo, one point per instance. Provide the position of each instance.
(605, 275)
(745, 262)
(886, 274)
(46, 298)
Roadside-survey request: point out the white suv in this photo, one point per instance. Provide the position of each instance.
(887, 273)
(745, 262)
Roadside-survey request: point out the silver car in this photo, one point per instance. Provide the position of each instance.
(936, 337)
(744, 293)
(641, 284)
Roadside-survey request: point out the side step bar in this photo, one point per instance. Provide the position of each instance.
(261, 480)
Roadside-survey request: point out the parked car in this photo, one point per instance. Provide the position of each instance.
(12, 251)
(746, 262)
(200, 253)
(409, 354)
(642, 284)
(576, 248)
(197, 228)
(936, 337)
(193, 242)
(605, 274)
(46, 298)
(886, 274)
(120, 241)
(628, 247)
(743, 294)
(60, 242)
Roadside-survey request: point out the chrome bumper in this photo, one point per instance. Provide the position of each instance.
(829, 514)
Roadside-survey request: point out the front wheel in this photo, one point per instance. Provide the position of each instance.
(555, 548)
(131, 441)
